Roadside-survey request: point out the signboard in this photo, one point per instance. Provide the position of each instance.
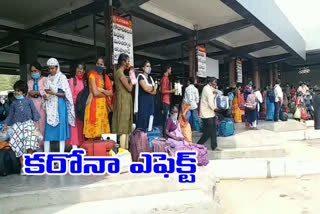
(122, 38)
(239, 70)
(202, 61)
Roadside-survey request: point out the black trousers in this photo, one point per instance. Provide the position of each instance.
(166, 110)
(277, 111)
(209, 130)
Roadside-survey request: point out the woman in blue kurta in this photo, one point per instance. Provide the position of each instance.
(144, 103)
(59, 107)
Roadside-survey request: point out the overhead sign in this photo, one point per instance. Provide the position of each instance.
(239, 70)
(202, 61)
(122, 38)
(305, 70)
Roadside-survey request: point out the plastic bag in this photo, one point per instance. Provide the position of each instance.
(124, 157)
(297, 114)
(4, 136)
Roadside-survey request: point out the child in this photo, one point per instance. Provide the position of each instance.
(23, 117)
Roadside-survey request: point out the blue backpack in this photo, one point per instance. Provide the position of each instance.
(226, 128)
(272, 96)
(155, 133)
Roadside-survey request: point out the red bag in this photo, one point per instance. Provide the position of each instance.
(304, 114)
(98, 148)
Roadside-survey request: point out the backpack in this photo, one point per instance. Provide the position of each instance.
(8, 162)
(138, 143)
(251, 103)
(222, 102)
(226, 128)
(81, 103)
(272, 96)
(203, 157)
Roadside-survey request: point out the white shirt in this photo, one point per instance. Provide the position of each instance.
(208, 104)
(278, 93)
(259, 96)
(192, 97)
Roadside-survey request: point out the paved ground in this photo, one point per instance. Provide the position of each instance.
(271, 196)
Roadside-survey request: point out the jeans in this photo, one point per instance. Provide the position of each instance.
(194, 120)
(277, 106)
(166, 109)
(209, 130)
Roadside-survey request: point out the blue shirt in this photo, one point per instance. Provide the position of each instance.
(22, 111)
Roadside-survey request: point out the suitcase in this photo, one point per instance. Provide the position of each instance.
(98, 148)
(226, 128)
(138, 143)
(159, 145)
(155, 133)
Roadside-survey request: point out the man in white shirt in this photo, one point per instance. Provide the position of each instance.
(279, 99)
(207, 113)
(191, 97)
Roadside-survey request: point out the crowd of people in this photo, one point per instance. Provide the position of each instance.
(47, 109)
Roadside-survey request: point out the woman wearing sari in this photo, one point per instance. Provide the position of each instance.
(235, 106)
(59, 107)
(184, 123)
(96, 120)
(270, 106)
(173, 130)
(38, 95)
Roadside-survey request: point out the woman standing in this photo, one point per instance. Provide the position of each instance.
(123, 116)
(144, 102)
(77, 84)
(59, 107)
(270, 105)
(235, 106)
(37, 94)
(96, 120)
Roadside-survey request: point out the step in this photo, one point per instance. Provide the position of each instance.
(282, 126)
(258, 152)
(309, 134)
(184, 202)
(41, 191)
(247, 139)
(264, 168)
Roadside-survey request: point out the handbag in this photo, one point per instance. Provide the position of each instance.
(304, 114)
(297, 114)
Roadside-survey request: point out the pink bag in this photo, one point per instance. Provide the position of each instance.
(251, 103)
(138, 143)
(203, 157)
(159, 145)
(304, 114)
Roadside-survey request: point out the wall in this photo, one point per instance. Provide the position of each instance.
(292, 77)
(212, 68)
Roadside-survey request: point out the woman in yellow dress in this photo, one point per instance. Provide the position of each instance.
(235, 106)
(96, 120)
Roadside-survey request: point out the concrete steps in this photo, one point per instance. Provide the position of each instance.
(42, 191)
(184, 202)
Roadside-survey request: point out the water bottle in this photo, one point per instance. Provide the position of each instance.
(35, 87)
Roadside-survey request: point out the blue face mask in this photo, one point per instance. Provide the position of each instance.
(149, 70)
(251, 83)
(99, 69)
(19, 97)
(35, 76)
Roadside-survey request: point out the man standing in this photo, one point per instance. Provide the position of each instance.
(278, 99)
(191, 97)
(207, 113)
(316, 106)
(166, 92)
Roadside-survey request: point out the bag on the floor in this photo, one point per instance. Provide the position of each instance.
(138, 143)
(283, 116)
(3, 135)
(203, 157)
(222, 102)
(251, 103)
(226, 128)
(124, 157)
(8, 162)
(98, 148)
(81, 102)
(159, 145)
(155, 133)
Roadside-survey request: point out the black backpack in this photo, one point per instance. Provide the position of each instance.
(8, 162)
(81, 102)
(272, 96)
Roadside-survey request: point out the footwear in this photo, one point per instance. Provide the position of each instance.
(22, 172)
(217, 150)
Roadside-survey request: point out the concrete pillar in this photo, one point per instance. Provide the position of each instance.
(232, 72)
(256, 76)
(108, 11)
(275, 73)
(192, 57)
(271, 75)
(28, 54)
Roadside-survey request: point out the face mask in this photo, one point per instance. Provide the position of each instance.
(99, 69)
(19, 97)
(35, 76)
(79, 76)
(251, 83)
(148, 70)
(2, 101)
